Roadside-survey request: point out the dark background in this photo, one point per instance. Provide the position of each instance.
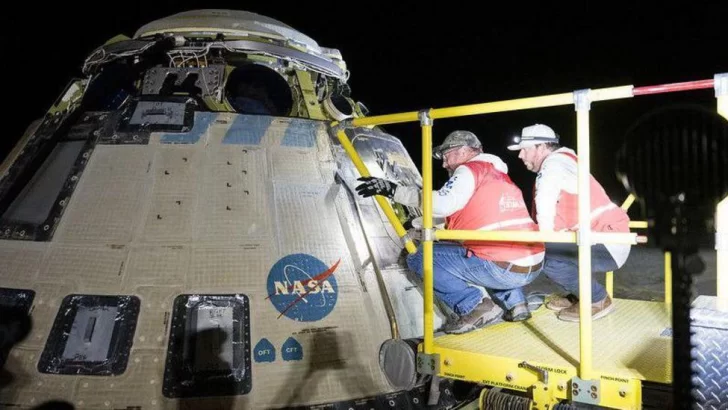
(406, 57)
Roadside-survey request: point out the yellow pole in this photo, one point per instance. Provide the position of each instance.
(668, 278)
(609, 283)
(382, 201)
(638, 224)
(385, 119)
(628, 202)
(533, 236)
(582, 103)
(427, 237)
(501, 106)
(721, 246)
(553, 100)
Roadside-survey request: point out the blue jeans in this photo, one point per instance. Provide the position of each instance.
(562, 267)
(457, 278)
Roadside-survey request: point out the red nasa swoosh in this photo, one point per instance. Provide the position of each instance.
(320, 277)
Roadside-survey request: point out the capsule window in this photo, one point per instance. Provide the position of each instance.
(254, 89)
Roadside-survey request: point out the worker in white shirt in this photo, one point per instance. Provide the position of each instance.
(555, 208)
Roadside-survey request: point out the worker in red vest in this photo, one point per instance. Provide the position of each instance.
(556, 209)
(478, 196)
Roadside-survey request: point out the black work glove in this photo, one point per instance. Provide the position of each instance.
(375, 186)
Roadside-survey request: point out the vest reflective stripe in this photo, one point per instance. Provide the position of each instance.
(604, 215)
(507, 224)
(596, 212)
(482, 212)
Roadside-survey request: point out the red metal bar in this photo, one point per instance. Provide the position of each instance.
(671, 88)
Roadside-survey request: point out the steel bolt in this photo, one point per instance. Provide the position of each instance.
(622, 393)
(594, 388)
(594, 396)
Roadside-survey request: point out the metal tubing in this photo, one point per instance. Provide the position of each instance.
(386, 119)
(609, 283)
(383, 203)
(531, 236)
(552, 100)
(501, 106)
(427, 244)
(602, 94)
(668, 278)
(581, 100)
(673, 87)
(628, 202)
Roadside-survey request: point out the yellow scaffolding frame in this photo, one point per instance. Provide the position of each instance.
(584, 237)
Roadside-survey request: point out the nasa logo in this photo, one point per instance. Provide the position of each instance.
(302, 287)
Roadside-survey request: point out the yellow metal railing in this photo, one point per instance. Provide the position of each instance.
(582, 102)
(584, 238)
(427, 244)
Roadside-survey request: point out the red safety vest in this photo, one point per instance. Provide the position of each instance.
(605, 215)
(496, 205)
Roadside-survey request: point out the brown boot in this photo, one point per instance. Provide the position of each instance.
(558, 303)
(599, 310)
(485, 313)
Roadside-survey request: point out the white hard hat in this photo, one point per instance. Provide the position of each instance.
(534, 135)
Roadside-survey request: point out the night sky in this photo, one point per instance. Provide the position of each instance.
(406, 58)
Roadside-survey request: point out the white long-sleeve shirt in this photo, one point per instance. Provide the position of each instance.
(559, 173)
(454, 195)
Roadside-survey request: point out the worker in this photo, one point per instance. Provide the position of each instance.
(555, 209)
(478, 196)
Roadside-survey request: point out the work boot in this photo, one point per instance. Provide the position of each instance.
(558, 303)
(485, 313)
(599, 310)
(517, 313)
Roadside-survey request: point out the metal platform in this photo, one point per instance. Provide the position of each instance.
(630, 345)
